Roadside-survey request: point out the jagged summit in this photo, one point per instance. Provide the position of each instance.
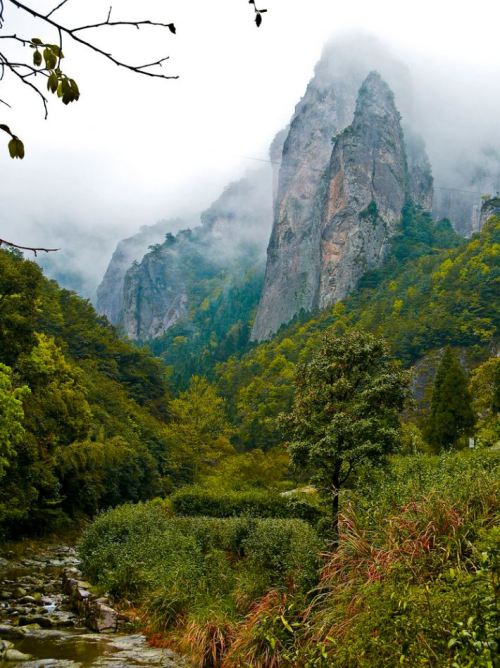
(367, 183)
(375, 98)
(341, 160)
(333, 221)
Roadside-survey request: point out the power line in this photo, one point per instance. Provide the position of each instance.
(458, 190)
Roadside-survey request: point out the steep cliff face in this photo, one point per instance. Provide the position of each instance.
(110, 290)
(333, 223)
(155, 291)
(367, 184)
(325, 109)
(420, 179)
(175, 277)
(294, 262)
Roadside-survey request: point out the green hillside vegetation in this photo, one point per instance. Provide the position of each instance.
(82, 411)
(433, 291)
(216, 545)
(222, 306)
(412, 583)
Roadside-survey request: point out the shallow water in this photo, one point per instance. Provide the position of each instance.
(31, 592)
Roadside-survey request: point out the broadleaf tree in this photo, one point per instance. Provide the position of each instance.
(346, 409)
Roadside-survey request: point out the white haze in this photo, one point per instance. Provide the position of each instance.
(134, 150)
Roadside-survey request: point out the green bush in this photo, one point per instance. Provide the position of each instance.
(464, 476)
(138, 552)
(253, 503)
(283, 549)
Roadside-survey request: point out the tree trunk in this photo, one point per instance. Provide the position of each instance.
(335, 504)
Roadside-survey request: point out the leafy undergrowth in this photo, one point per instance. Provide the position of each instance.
(414, 581)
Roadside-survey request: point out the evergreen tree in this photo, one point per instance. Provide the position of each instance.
(451, 415)
(345, 411)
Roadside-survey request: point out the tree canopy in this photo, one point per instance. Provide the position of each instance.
(346, 409)
(451, 416)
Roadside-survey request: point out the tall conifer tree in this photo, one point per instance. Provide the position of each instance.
(451, 415)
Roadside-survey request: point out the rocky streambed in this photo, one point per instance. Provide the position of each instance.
(50, 619)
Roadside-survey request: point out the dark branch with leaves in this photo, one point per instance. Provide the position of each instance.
(47, 56)
(258, 13)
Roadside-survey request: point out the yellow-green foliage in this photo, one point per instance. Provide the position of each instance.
(448, 296)
(198, 430)
(83, 412)
(11, 416)
(485, 391)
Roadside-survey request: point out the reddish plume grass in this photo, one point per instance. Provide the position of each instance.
(418, 538)
(205, 643)
(252, 645)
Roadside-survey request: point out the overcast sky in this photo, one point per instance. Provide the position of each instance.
(134, 150)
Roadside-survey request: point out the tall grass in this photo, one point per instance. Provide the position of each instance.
(414, 581)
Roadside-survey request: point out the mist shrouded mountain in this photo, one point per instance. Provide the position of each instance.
(173, 277)
(353, 154)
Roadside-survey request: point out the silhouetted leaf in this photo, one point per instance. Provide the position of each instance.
(258, 19)
(52, 82)
(171, 27)
(37, 58)
(5, 128)
(50, 58)
(16, 148)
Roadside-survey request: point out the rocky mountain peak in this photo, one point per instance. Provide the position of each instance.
(333, 224)
(375, 99)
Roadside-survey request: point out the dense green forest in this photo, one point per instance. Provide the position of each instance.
(231, 546)
(82, 411)
(222, 293)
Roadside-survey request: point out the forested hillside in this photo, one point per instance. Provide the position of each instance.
(226, 563)
(434, 290)
(82, 411)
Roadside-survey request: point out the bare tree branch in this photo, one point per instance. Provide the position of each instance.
(135, 24)
(72, 32)
(31, 249)
(13, 68)
(56, 8)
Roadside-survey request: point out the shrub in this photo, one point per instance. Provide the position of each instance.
(132, 549)
(413, 583)
(181, 563)
(253, 503)
(286, 550)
